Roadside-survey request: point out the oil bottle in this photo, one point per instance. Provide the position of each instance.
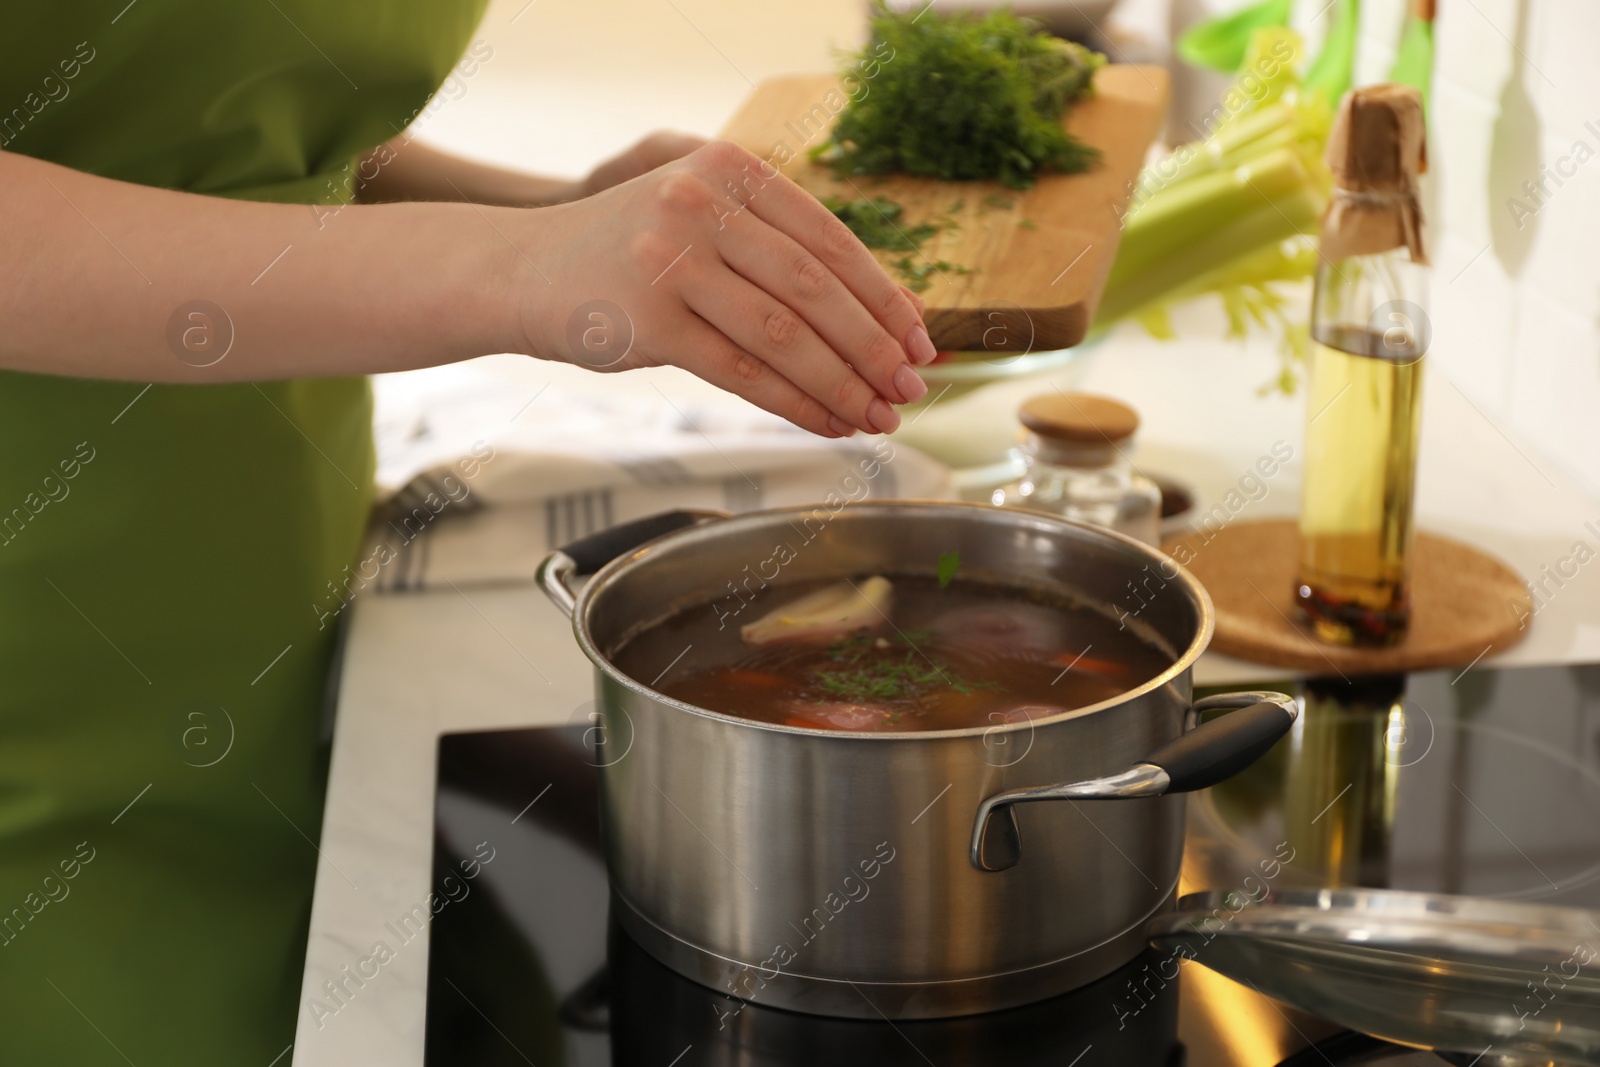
(1369, 336)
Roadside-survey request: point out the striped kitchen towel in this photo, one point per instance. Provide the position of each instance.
(468, 495)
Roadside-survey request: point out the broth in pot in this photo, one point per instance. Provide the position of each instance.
(874, 655)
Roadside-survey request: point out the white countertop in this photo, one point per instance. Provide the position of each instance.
(419, 665)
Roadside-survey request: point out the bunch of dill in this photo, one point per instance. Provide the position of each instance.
(964, 97)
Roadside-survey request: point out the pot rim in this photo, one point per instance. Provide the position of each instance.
(639, 557)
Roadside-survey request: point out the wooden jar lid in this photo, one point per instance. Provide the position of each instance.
(1079, 417)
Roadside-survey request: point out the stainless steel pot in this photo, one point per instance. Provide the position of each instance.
(909, 875)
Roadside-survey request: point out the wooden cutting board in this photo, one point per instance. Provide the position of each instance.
(1038, 257)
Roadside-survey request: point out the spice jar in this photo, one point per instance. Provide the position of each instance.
(1075, 455)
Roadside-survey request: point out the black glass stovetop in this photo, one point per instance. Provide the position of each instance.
(1485, 782)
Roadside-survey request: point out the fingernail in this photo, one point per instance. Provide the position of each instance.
(912, 387)
(840, 427)
(920, 347)
(881, 417)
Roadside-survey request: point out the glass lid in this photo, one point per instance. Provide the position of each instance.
(1517, 983)
(1419, 860)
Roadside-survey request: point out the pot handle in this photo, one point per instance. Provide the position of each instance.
(588, 554)
(1200, 757)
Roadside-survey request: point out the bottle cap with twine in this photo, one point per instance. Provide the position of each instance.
(1078, 429)
(1376, 150)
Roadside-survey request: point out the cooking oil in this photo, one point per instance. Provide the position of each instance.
(1369, 333)
(1364, 418)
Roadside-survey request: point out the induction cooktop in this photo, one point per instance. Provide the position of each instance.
(1484, 782)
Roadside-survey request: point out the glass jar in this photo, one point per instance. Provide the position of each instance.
(1075, 464)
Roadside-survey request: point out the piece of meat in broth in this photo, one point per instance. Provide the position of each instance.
(1002, 630)
(842, 608)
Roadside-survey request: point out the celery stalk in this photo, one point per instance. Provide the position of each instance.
(1231, 143)
(1189, 211)
(1221, 216)
(1236, 229)
(1278, 261)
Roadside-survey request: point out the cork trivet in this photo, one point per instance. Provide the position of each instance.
(1464, 603)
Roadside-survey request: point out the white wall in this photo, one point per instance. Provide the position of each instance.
(1516, 303)
(574, 81)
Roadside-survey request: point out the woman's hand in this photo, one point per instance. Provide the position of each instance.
(713, 263)
(656, 150)
(409, 169)
(718, 264)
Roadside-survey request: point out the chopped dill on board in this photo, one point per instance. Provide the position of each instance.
(918, 276)
(963, 97)
(876, 222)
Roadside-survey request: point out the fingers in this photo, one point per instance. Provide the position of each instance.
(922, 306)
(784, 306)
(654, 151)
(664, 146)
(725, 365)
(786, 207)
(777, 264)
(758, 323)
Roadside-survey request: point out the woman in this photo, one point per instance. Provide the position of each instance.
(188, 460)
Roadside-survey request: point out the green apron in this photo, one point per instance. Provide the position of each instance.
(172, 557)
